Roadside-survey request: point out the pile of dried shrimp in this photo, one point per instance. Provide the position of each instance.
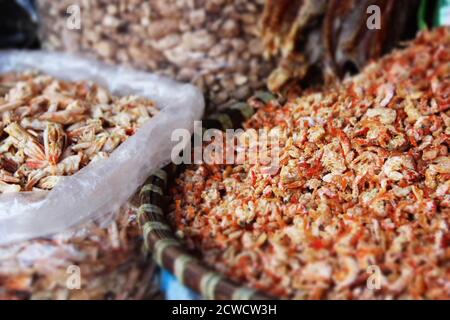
(359, 205)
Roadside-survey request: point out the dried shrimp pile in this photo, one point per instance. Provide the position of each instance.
(362, 189)
(51, 128)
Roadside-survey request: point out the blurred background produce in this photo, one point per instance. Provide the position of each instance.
(231, 48)
(319, 41)
(211, 43)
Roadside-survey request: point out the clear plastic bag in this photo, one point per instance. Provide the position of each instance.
(97, 191)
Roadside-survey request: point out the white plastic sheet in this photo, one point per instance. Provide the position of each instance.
(101, 188)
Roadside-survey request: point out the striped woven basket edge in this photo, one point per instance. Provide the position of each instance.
(160, 240)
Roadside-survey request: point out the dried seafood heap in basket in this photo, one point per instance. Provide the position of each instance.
(52, 128)
(359, 206)
(323, 40)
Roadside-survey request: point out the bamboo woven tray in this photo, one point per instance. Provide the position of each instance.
(160, 239)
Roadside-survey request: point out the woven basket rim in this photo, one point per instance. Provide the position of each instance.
(160, 239)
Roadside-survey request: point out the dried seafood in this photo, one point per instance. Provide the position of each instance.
(107, 262)
(49, 129)
(52, 128)
(211, 43)
(323, 40)
(363, 184)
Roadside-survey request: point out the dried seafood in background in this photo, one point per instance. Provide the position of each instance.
(52, 128)
(49, 129)
(359, 205)
(211, 43)
(322, 40)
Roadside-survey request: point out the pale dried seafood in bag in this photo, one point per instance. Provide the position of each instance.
(82, 239)
(53, 128)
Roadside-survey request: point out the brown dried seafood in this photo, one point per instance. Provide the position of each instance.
(323, 40)
(212, 43)
(359, 205)
(52, 128)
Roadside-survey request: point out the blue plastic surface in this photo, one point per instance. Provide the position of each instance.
(174, 290)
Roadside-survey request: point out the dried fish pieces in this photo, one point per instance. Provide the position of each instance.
(109, 259)
(320, 40)
(363, 186)
(53, 128)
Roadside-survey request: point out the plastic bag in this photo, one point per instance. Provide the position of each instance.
(98, 190)
(18, 24)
